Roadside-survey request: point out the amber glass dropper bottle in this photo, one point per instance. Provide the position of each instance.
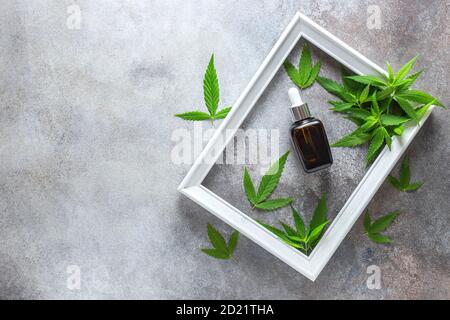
(308, 136)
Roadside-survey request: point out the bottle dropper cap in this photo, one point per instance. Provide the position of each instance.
(299, 109)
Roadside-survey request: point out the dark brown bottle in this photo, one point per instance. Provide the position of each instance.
(308, 136)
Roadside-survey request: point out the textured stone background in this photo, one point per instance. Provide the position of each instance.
(86, 176)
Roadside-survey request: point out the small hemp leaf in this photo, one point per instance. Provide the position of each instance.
(221, 249)
(373, 230)
(211, 96)
(306, 73)
(404, 181)
(298, 236)
(268, 183)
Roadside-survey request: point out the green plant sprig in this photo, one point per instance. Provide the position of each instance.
(373, 230)
(379, 105)
(306, 73)
(211, 95)
(259, 199)
(300, 237)
(221, 249)
(404, 183)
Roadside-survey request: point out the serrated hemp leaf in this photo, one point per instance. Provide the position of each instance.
(353, 139)
(320, 213)
(375, 144)
(211, 87)
(194, 116)
(403, 72)
(270, 180)
(306, 74)
(222, 114)
(273, 204)
(249, 187)
(211, 96)
(336, 89)
(221, 250)
(404, 181)
(266, 187)
(298, 237)
(374, 229)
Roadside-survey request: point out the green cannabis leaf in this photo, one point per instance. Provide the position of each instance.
(211, 97)
(298, 237)
(374, 229)
(379, 105)
(338, 90)
(405, 177)
(222, 249)
(267, 185)
(306, 73)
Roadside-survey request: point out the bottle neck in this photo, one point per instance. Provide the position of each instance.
(300, 112)
(310, 118)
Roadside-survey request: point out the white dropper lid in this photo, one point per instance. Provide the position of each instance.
(294, 96)
(299, 109)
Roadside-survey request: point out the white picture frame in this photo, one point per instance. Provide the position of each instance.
(310, 266)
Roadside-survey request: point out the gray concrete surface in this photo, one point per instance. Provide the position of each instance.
(86, 177)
